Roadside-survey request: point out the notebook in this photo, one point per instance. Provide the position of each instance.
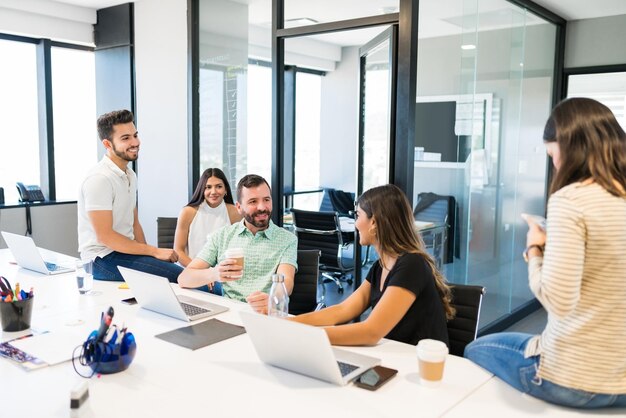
(303, 349)
(27, 255)
(156, 294)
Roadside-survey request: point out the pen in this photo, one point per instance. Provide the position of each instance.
(17, 289)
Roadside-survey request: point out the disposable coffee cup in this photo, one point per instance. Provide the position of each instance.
(237, 255)
(431, 356)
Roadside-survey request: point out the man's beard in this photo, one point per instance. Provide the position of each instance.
(258, 224)
(123, 155)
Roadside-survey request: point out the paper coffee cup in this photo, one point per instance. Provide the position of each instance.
(236, 254)
(431, 356)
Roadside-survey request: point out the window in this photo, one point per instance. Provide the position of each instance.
(19, 126)
(307, 149)
(24, 102)
(74, 104)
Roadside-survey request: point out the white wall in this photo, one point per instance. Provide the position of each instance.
(591, 42)
(161, 74)
(339, 131)
(53, 226)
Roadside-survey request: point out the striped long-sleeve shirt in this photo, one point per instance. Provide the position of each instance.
(581, 282)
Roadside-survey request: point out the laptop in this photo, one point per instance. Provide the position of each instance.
(27, 255)
(303, 349)
(155, 293)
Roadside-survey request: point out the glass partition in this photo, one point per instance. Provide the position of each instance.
(235, 96)
(484, 88)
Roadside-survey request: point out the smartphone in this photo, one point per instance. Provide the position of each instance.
(540, 221)
(375, 377)
(129, 301)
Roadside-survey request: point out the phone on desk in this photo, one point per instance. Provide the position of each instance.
(29, 193)
(129, 301)
(375, 377)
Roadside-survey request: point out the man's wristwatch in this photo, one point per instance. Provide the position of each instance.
(525, 253)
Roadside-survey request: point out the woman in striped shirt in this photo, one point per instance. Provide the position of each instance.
(577, 270)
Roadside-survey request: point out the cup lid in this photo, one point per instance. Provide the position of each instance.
(428, 345)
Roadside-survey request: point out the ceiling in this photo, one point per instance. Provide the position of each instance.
(445, 17)
(568, 9)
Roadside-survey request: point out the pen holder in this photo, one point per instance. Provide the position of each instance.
(15, 316)
(111, 357)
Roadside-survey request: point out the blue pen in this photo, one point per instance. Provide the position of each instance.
(23, 294)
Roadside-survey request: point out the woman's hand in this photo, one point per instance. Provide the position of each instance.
(535, 235)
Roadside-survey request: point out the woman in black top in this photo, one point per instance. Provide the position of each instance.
(409, 298)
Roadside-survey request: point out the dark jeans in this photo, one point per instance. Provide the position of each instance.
(105, 268)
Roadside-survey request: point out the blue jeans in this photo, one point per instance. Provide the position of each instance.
(503, 355)
(105, 268)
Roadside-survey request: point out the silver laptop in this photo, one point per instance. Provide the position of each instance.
(27, 255)
(156, 294)
(303, 349)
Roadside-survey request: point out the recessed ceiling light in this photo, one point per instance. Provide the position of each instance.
(467, 47)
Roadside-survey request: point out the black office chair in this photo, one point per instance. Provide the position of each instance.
(338, 201)
(440, 210)
(462, 330)
(166, 229)
(321, 231)
(303, 297)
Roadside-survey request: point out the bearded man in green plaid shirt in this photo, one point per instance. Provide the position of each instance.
(268, 249)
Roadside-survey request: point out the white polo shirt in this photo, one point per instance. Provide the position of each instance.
(106, 187)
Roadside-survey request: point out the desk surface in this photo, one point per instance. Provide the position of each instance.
(495, 399)
(225, 379)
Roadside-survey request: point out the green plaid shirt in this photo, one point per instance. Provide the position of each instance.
(264, 252)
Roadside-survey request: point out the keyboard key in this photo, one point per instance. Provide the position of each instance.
(192, 310)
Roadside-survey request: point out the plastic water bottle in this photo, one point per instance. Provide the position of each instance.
(278, 303)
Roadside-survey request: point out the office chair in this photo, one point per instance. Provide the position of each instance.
(321, 231)
(462, 330)
(166, 229)
(303, 297)
(440, 210)
(338, 201)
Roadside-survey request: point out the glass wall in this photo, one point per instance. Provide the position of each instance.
(484, 88)
(235, 97)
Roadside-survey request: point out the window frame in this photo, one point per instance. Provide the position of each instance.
(45, 109)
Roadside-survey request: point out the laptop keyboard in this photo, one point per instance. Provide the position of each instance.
(346, 368)
(192, 310)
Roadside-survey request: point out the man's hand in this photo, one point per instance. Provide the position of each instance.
(258, 301)
(166, 254)
(227, 271)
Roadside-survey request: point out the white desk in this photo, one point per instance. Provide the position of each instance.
(497, 399)
(224, 379)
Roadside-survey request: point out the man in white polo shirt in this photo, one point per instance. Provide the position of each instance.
(109, 232)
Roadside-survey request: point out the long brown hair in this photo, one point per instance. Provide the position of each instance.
(397, 234)
(198, 195)
(592, 145)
